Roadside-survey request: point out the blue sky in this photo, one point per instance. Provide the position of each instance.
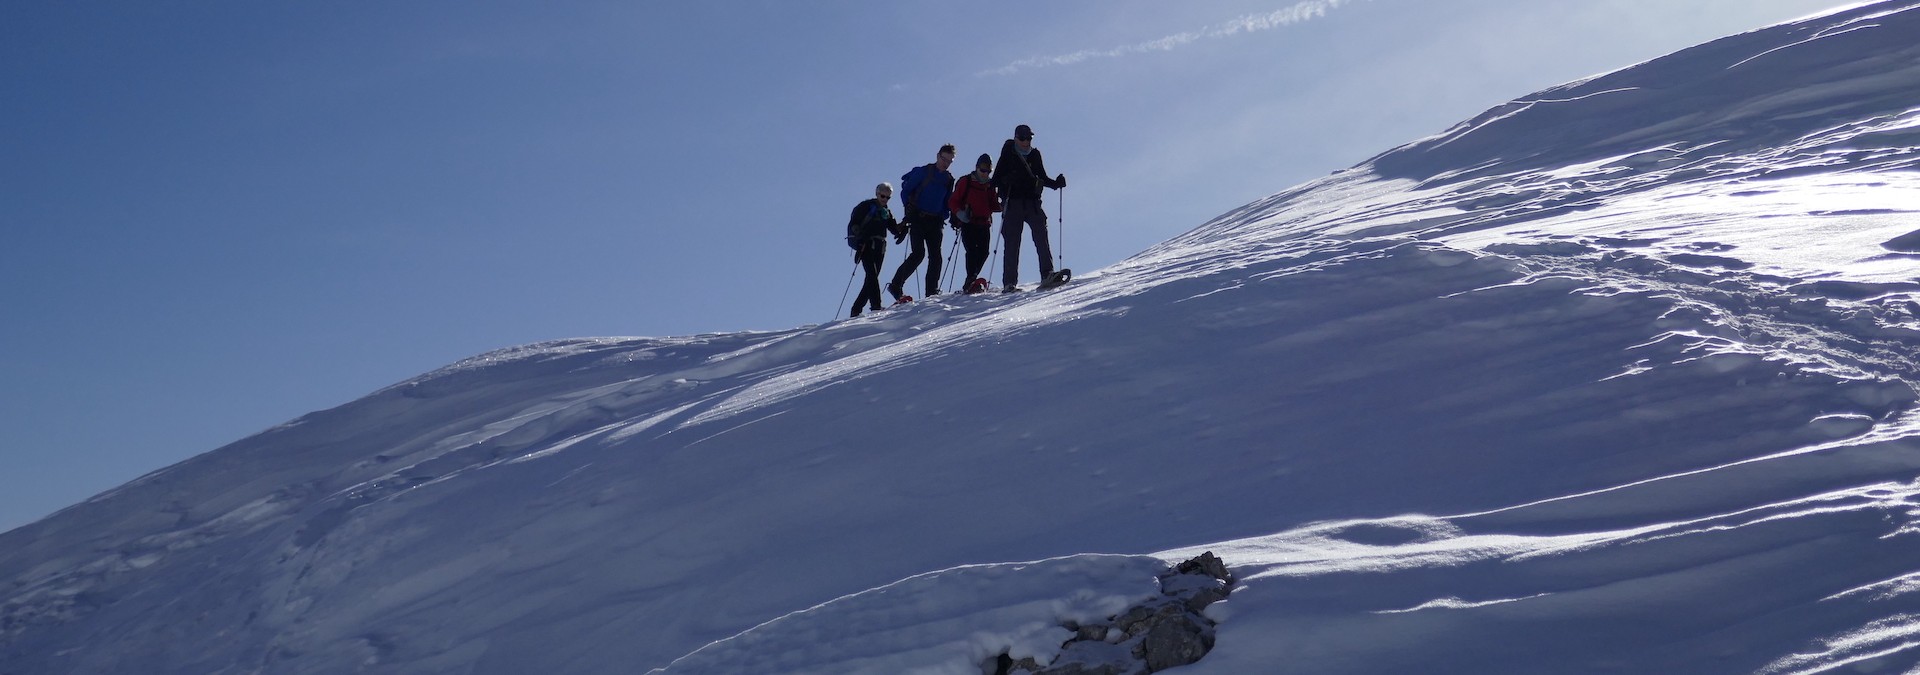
(222, 215)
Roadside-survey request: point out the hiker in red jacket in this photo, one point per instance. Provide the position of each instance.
(973, 204)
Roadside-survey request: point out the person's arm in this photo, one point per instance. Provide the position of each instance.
(1003, 170)
(910, 188)
(1039, 165)
(957, 200)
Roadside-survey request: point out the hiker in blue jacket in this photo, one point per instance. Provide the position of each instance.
(924, 192)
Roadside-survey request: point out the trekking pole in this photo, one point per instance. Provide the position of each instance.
(1060, 254)
(946, 280)
(849, 289)
(993, 259)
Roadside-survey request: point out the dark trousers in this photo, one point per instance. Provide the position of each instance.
(870, 257)
(1025, 212)
(976, 239)
(923, 238)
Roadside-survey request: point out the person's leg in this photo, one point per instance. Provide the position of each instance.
(1010, 231)
(977, 239)
(870, 285)
(930, 237)
(916, 252)
(1042, 245)
(870, 262)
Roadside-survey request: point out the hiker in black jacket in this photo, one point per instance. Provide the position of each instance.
(1020, 176)
(867, 232)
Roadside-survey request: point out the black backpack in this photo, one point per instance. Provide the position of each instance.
(859, 224)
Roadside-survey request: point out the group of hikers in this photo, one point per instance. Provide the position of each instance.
(933, 199)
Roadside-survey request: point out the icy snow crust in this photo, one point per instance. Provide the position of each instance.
(1618, 377)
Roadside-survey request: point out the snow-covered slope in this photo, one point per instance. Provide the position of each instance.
(1616, 378)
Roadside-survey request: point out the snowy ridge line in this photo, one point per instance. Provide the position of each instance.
(1824, 33)
(1677, 99)
(1581, 97)
(942, 333)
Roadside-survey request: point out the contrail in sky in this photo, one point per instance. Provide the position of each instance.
(1251, 23)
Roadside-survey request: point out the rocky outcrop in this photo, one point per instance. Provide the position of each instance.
(1167, 631)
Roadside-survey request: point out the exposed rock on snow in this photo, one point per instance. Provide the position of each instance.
(1167, 631)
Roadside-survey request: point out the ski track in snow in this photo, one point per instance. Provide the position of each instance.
(1618, 377)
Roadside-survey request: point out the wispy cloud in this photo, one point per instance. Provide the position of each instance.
(1251, 23)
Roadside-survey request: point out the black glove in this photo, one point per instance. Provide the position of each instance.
(1061, 179)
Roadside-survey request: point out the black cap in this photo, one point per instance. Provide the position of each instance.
(1023, 132)
(984, 160)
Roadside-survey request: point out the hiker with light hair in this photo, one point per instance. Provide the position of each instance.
(867, 232)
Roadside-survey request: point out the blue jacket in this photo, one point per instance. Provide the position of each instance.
(925, 189)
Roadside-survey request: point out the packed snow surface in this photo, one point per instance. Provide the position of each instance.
(1617, 377)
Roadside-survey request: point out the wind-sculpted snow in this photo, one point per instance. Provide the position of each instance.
(1619, 377)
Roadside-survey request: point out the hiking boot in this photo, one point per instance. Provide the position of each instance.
(1010, 288)
(896, 291)
(932, 292)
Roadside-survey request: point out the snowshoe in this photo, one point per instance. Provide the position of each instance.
(904, 299)
(1057, 278)
(976, 286)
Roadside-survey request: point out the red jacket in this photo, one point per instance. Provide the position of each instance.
(977, 198)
